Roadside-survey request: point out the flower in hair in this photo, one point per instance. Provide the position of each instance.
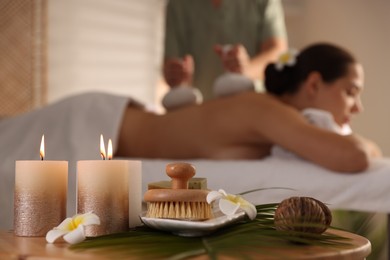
(288, 58)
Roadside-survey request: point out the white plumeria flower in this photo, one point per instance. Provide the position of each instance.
(288, 58)
(72, 229)
(229, 204)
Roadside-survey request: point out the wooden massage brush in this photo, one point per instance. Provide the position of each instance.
(179, 202)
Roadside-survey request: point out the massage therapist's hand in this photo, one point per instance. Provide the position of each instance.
(234, 59)
(179, 71)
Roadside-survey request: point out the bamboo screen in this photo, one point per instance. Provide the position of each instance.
(22, 55)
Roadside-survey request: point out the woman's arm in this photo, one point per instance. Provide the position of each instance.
(286, 127)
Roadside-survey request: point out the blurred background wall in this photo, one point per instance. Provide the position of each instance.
(112, 46)
(116, 46)
(23, 84)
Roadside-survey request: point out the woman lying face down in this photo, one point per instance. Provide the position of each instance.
(247, 125)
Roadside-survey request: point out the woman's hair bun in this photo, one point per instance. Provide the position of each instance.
(279, 81)
(287, 74)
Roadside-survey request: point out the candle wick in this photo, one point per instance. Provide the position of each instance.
(102, 155)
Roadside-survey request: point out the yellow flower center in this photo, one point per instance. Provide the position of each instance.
(233, 198)
(76, 221)
(284, 58)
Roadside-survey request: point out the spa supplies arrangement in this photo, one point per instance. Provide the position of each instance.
(179, 202)
(192, 212)
(219, 223)
(242, 240)
(195, 212)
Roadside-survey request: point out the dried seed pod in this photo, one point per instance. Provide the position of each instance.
(302, 214)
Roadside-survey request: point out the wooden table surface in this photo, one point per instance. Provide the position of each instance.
(34, 248)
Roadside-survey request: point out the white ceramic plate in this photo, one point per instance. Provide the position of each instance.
(191, 228)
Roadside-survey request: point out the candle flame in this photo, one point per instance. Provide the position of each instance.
(102, 148)
(42, 148)
(109, 149)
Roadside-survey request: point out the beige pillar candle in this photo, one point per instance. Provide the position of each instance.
(103, 188)
(135, 192)
(40, 196)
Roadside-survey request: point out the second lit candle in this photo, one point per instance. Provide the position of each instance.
(103, 187)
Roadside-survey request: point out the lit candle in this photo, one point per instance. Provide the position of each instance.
(103, 187)
(40, 195)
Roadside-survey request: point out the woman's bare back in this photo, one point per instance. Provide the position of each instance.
(219, 129)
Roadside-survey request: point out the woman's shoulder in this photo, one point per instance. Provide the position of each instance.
(262, 101)
(246, 102)
(258, 96)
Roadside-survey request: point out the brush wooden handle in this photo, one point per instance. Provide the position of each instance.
(180, 173)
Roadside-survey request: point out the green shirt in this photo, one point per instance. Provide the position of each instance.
(195, 26)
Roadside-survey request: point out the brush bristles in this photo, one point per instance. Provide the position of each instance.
(179, 210)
